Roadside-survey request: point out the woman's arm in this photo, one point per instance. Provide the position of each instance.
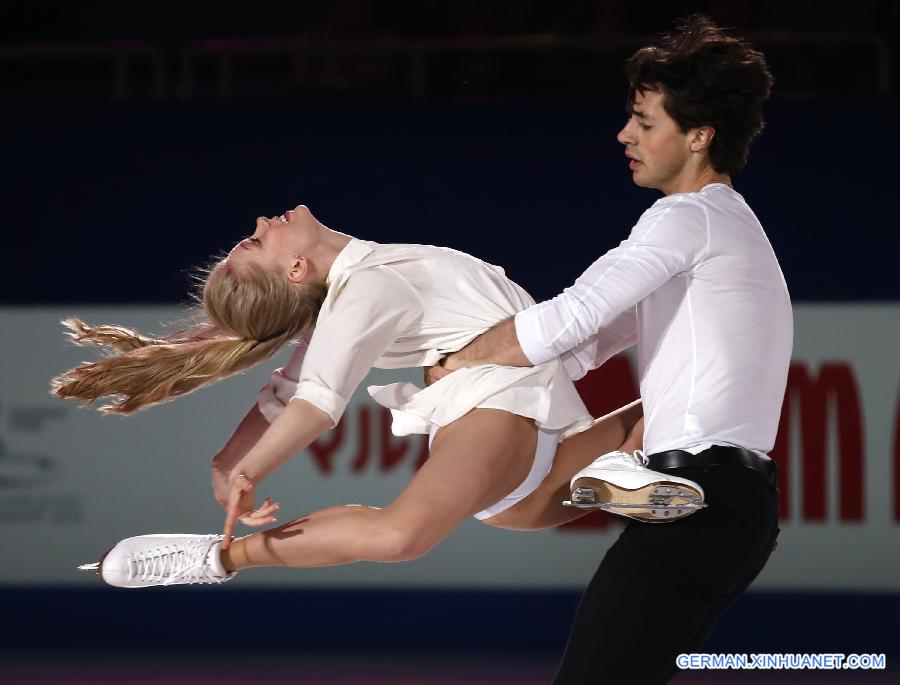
(244, 438)
(373, 309)
(293, 431)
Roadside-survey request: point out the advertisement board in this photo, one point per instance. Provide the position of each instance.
(73, 482)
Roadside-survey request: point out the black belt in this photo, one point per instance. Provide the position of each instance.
(717, 455)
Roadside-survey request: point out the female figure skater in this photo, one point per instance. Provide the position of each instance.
(359, 304)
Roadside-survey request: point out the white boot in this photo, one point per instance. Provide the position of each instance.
(620, 483)
(162, 559)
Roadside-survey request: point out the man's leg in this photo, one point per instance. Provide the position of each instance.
(661, 587)
(726, 600)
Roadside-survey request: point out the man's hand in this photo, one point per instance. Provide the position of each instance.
(435, 373)
(497, 345)
(456, 360)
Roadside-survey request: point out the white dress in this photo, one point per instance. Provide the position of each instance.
(402, 306)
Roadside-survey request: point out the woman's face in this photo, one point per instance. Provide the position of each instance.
(277, 242)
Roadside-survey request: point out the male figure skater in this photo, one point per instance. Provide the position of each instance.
(697, 286)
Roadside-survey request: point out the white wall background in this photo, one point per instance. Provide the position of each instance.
(73, 482)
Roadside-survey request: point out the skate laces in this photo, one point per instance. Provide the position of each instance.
(177, 562)
(640, 457)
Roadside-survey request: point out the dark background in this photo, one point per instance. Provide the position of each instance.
(140, 138)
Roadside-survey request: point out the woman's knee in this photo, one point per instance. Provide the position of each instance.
(390, 540)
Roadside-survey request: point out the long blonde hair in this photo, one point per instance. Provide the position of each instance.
(245, 317)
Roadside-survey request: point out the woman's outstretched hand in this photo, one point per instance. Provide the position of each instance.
(241, 508)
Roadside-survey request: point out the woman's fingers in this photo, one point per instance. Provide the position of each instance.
(240, 502)
(240, 508)
(257, 523)
(231, 517)
(228, 531)
(268, 505)
(267, 509)
(262, 515)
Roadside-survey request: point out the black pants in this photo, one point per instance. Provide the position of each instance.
(662, 586)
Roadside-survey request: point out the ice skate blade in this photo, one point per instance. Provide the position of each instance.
(593, 490)
(636, 507)
(97, 566)
(642, 512)
(655, 503)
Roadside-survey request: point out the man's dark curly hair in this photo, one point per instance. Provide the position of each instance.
(707, 79)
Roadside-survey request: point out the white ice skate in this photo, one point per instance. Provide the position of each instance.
(620, 483)
(162, 559)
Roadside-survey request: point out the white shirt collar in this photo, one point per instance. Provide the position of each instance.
(353, 252)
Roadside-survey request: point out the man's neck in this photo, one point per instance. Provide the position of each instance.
(693, 183)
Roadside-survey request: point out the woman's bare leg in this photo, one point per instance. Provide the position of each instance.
(622, 429)
(474, 462)
(635, 438)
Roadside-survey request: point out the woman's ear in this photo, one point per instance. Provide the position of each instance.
(299, 269)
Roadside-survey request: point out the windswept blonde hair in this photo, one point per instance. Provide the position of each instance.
(246, 317)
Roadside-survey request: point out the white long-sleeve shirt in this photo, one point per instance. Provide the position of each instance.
(697, 286)
(402, 306)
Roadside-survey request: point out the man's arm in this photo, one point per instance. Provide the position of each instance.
(497, 345)
(618, 336)
(669, 238)
(500, 345)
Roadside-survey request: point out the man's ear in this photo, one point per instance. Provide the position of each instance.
(701, 138)
(299, 269)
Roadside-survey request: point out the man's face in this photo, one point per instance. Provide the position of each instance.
(657, 150)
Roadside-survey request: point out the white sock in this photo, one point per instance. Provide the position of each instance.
(214, 561)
